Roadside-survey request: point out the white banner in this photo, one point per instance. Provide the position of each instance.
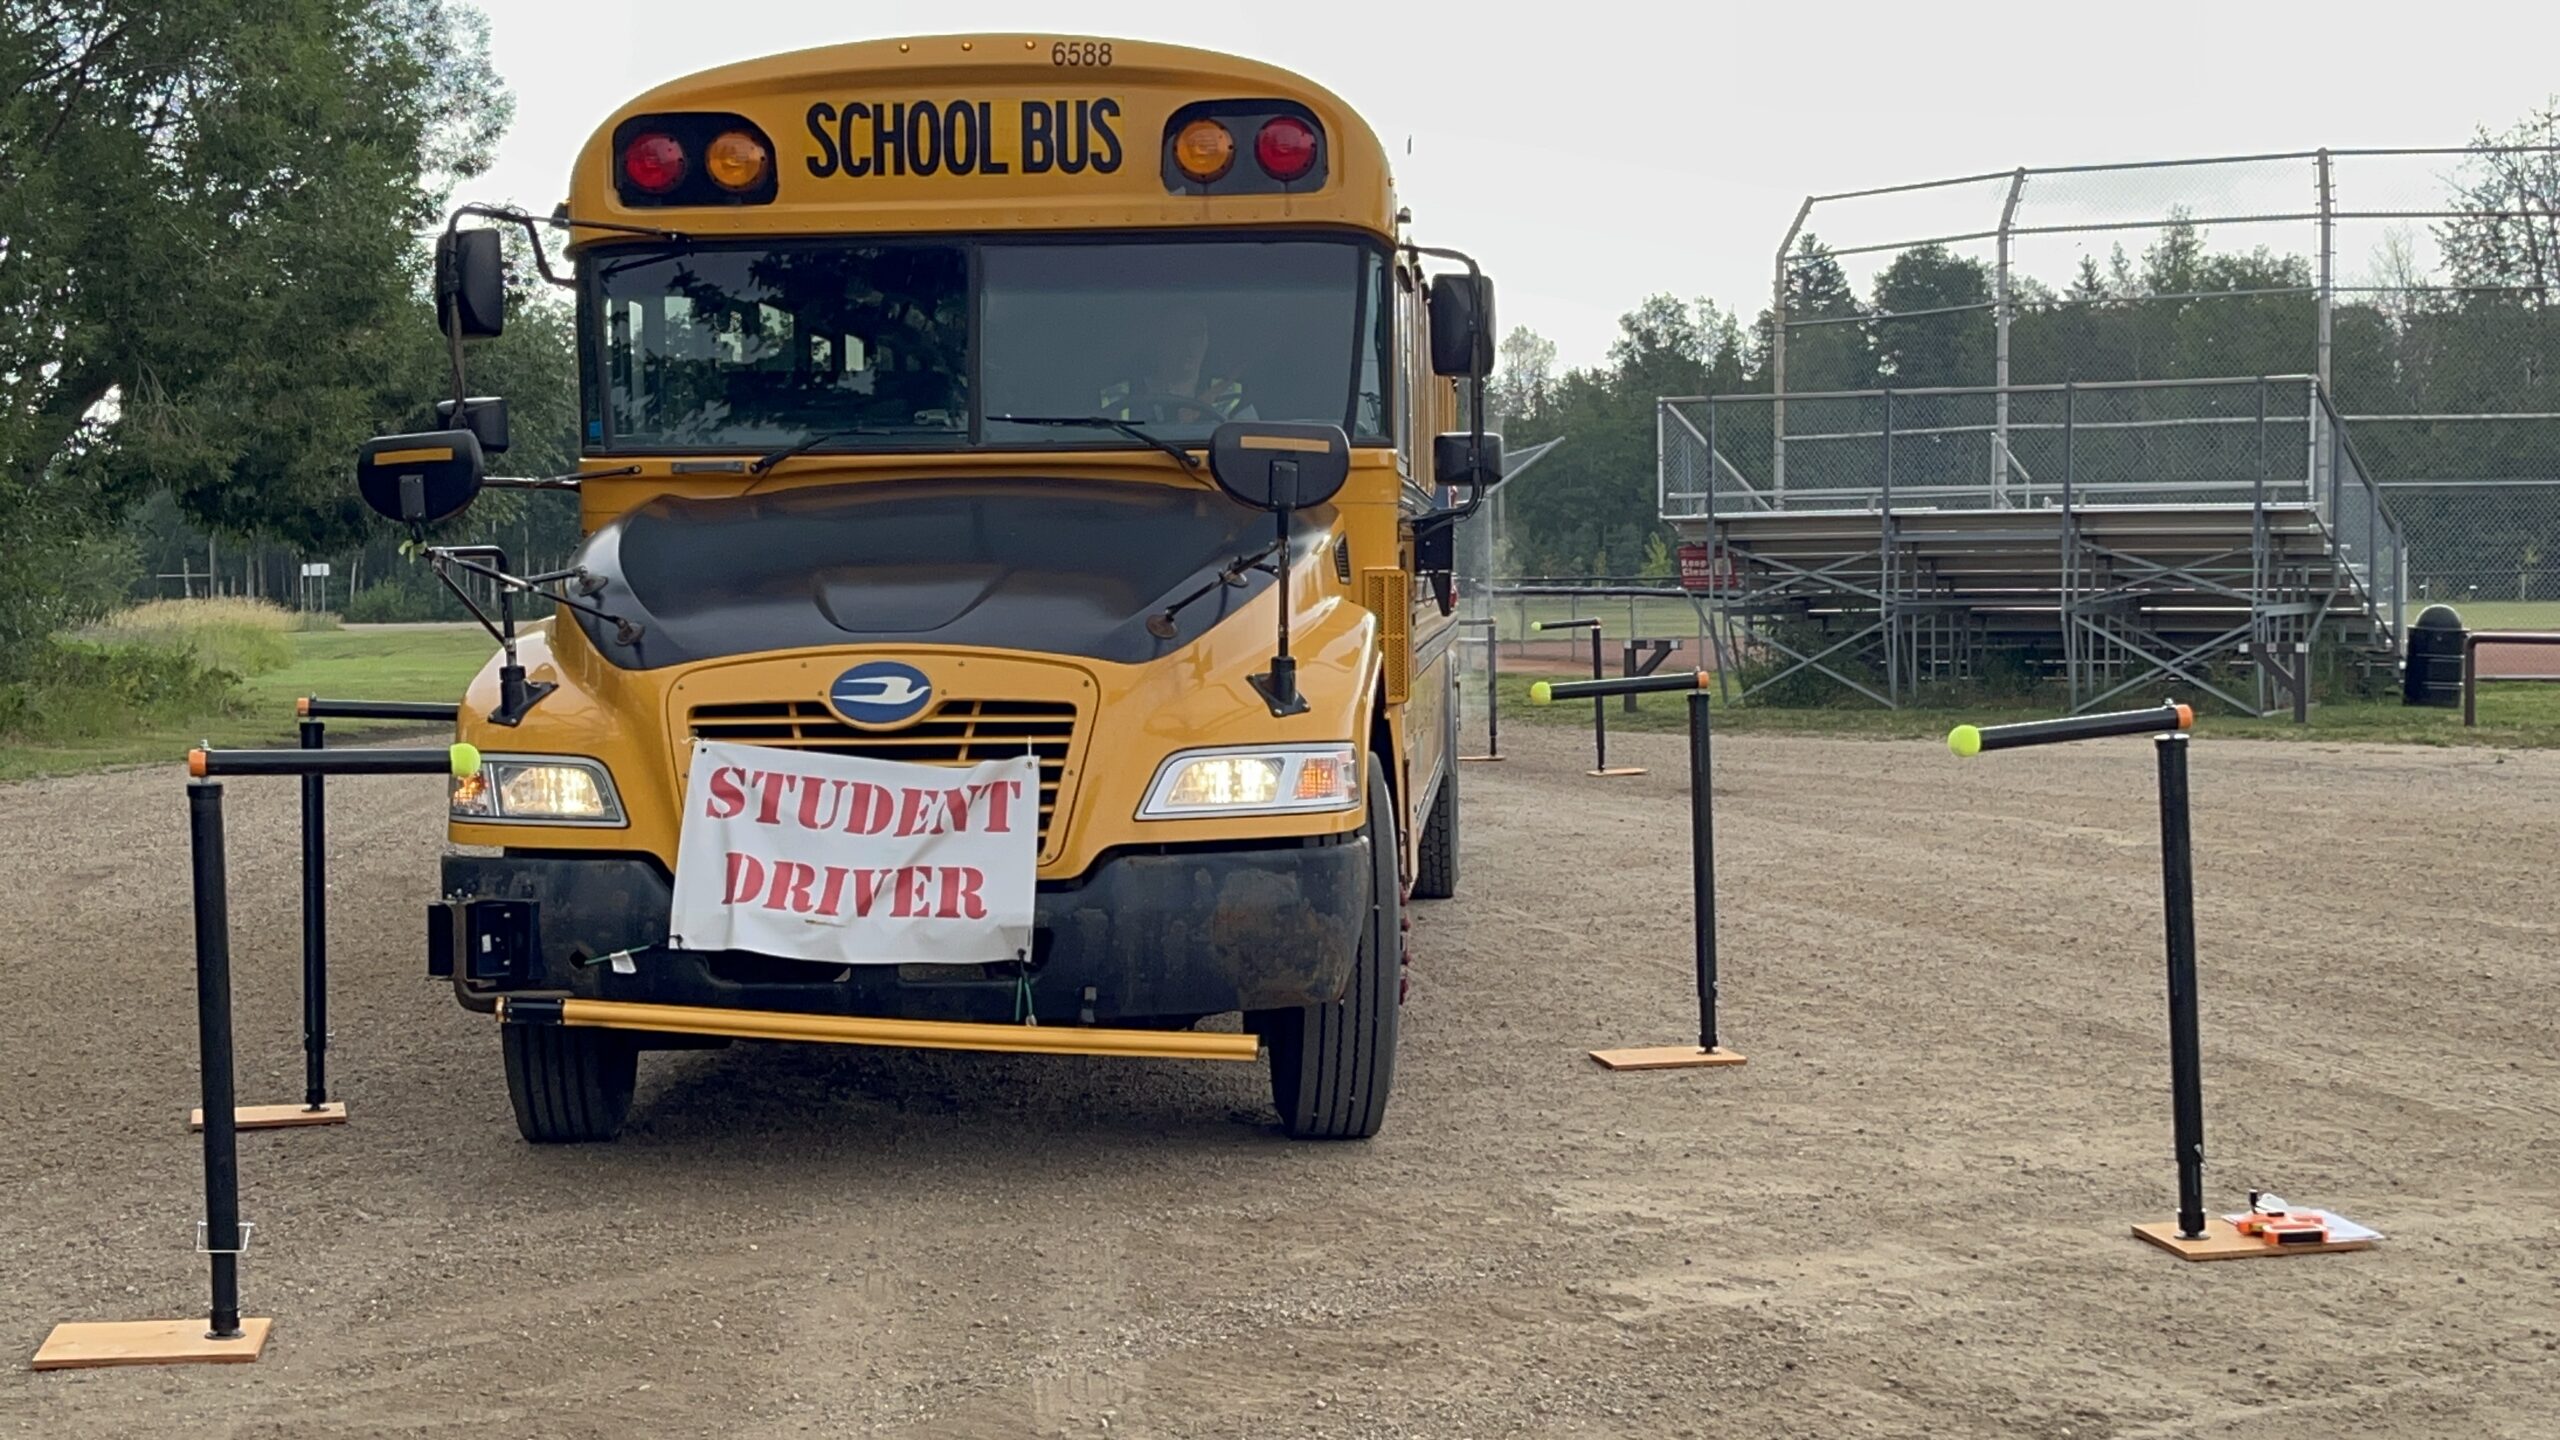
(847, 860)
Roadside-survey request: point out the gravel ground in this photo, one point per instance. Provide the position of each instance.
(1905, 1216)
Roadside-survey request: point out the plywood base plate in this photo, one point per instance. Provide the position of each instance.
(1478, 759)
(1665, 1057)
(1613, 771)
(2223, 1241)
(277, 1117)
(148, 1342)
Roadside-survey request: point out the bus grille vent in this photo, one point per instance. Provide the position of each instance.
(957, 733)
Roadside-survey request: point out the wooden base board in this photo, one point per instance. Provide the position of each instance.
(2223, 1241)
(277, 1117)
(1478, 759)
(1614, 771)
(1665, 1057)
(86, 1344)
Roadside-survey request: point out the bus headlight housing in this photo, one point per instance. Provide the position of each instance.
(1254, 780)
(537, 790)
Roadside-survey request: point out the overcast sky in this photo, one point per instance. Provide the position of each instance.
(1610, 151)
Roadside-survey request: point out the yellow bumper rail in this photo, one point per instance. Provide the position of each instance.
(857, 1030)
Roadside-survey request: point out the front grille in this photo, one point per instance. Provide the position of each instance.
(957, 733)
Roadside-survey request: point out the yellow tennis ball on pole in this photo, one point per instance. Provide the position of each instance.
(466, 759)
(1541, 692)
(1965, 740)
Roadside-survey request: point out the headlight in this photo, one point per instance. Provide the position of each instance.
(1254, 780)
(544, 790)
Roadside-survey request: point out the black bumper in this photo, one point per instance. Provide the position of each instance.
(1168, 937)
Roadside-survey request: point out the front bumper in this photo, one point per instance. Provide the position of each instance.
(1142, 937)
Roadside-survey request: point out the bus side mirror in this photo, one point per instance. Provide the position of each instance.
(419, 479)
(1282, 469)
(1462, 341)
(471, 284)
(1466, 459)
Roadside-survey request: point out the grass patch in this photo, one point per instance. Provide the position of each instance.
(2498, 614)
(2517, 715)
(403, 664)
(243, 636)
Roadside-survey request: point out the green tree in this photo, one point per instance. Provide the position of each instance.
(209, 265)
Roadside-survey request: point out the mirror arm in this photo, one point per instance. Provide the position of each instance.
(570, 481)
(1278, 687)
(1475, 395)
(625, 632)
(533, 224)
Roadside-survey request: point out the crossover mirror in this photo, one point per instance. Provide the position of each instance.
(422, 478)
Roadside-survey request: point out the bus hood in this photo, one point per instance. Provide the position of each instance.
(1068, 567)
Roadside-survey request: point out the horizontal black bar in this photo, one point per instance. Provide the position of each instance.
(1585, 623)
(1547, 690)
(441, 760)
(315, 708)
(1594, 592)
(1973, 739)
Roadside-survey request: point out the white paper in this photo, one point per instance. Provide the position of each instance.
(842, 859)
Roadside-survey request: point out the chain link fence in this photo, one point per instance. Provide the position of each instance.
(2417, 285)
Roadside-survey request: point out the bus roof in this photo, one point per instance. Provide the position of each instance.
(1044, 132)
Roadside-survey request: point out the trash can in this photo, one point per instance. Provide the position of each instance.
(2432, 673)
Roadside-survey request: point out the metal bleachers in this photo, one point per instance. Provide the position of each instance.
(2204, 533)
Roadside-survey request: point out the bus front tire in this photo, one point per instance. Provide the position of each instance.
(1332, 1066)
(569, 1085)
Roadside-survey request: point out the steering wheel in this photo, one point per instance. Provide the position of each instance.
(1176, 403)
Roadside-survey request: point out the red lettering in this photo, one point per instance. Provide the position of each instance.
(746, 877)
(867, 885)
(791, 881)
(1000, 797)
(726, 798)
(960, 899)
(868, 809)
(911, 899)
(832, 897)
(929, 812)
(776, 785)
(811, 792)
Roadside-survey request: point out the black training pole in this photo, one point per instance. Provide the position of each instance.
(213, 1052)
(2186, 1063)
(315, 926)
(312, 707)
(1492, 691)
(1599, 709)
(1976, 739)
(1702, 864)
(439, 760)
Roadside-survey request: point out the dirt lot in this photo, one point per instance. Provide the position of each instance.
(1905, 1216)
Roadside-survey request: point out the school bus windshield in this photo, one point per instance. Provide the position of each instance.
(874, 345)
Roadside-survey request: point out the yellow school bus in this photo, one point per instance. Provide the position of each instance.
(944, 400)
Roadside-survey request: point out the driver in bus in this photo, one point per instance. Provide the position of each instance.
(1172, 383)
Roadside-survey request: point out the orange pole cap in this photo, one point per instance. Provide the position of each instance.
(2186, 717)
(302, 706)
(195, 763)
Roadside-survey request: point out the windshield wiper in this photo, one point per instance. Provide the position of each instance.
(813, 440)
(1107, 422)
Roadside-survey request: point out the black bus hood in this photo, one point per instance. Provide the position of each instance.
(1068, 567)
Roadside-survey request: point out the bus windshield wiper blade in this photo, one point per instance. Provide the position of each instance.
(1107, 422)
(816, 438)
